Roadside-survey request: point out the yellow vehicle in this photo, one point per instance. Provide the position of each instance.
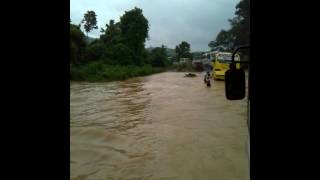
(221, 62)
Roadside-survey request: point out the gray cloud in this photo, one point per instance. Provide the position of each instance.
(171, 21)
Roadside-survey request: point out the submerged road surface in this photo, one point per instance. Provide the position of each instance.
(159, 127)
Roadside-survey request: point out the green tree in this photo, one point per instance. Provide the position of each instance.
(77, 44)
(119, 54)
(183, 50)
(224, 41)
(95, 51)
(239, 33)
(134, 31)
(116, 51)
(243, 27)
(90, 21)
(158, 57)
(112, 34)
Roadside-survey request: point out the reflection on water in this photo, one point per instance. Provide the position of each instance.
(163, 126)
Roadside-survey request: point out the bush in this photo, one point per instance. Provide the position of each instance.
(120, 54)
(98, 71)
(158, 57)
(95, 51)
(76, 73)
(73, 52)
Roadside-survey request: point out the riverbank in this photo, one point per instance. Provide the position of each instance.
(96, 71)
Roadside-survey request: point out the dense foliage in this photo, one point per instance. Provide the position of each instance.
(121, 47)
(238, 34)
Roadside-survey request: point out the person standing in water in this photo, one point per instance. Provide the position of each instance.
(207, 78)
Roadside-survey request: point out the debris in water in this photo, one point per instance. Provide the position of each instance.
(190, 75)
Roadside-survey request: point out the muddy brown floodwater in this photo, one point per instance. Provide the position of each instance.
(160, 127)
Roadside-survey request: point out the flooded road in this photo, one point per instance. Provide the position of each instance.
(159, 127)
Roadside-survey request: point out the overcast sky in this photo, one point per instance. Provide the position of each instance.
(170, 21)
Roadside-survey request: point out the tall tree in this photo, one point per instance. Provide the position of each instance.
(134, 31)
(239, 33)
(112, 34)
(243, 28)
(90, 21)
(224, 41)
(77, 44)
(183, 50)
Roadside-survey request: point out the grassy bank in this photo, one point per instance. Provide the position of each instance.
(97, 71)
